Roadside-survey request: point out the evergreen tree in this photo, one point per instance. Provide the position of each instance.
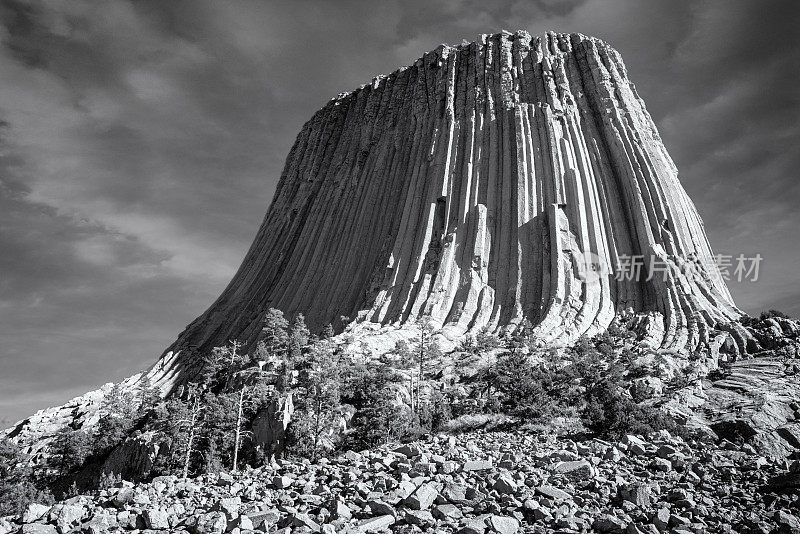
(180, 421)
(327, 332)
(118, 401)
(406, 359)
(68, 451)
(426, 349)
(116, 421)
(18, 487)
(274, 337)
(379, 416)
(166, 421)
(219, 418)
(252, 396)
(149, 395)
(405, 354)
(299, 337)
(220, 365)
(318, 406)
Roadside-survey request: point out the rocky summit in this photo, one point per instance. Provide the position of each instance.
(476, 483)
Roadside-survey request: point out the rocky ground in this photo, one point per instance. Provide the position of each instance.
(473, 483)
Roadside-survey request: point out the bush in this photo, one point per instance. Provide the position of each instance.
(773, 313)
(594, 379)
(483, 341)
(535, 392)
(432, 416)
(611, 414)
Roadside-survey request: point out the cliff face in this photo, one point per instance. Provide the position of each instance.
(471, 187)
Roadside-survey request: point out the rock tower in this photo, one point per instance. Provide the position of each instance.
(504, 180)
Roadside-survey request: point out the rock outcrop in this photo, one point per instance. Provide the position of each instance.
(485, 185)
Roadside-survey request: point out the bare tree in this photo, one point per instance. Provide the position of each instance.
(192, 423)
(250, 379)
(426, 349)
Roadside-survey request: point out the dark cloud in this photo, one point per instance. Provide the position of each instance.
(142, 141)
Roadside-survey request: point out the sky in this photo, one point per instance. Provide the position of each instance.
(141, 142)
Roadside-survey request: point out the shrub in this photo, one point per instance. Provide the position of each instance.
(611, 414)
(773, 313)
(594, 379)
(432, 416)
(532, 391)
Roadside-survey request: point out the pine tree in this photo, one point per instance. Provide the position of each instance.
(116, 421)
(274, 338)
(149, 395)
(166, 421)
(218, 420)
(299, 337)
(318, 406)
(220, 365)
(192, 423)
(238, 428)
(18, 487)
(212, 365)
(426, 349)
(405, 354)
(233, 407)
(248, 397)
(68, 451)
(327, 332)
(379, 417)
(118, 401)
(406, 359)
(180, 420)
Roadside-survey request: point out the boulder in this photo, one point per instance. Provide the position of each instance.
(38, 528)
(34, 512)
(638, 494)
(503, 524)
(553, 493)
(211, 523)
(447, 512)
(374, 524)
(505, 484)
(66, 516)
(423, 497)
(155, 519)
(577, 470)
(420, 518)
(477, 465)
(609, 523)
